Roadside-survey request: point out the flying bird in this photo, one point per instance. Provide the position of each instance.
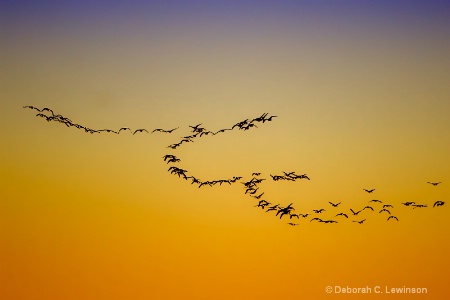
(47, 109)
(285, 210)
(48, 118)
(419, 205)
(269, 118)
(355, 213)
(32, 107)
(374, 200)
(263, 204)
(275, 207)
(173, 160)
(360, 222)
(251, 191)
(438, 203)
(109, 130)
(433, 183)
(293, 215)
(174, 146)
(258, 196)
(304, 176)
(140, 130)
(240, 124)
(221, 130)
(342, 214)
(195, 128)
(303, 215)
(328, 221)
(369, 191)
(124, 128)
(334, 205)
(40, 110)
(168, 156)
(392, 217)
(163, 130)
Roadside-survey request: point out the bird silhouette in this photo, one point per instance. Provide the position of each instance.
(334, 205)
(275, 177)
(342, 214)
(259, 119)
(355, 213)
(124, 128)
(163, 130)
(374, 200)
(194, 180)
(109, 130)
(222, 130)
(318, 211)
(48, 118)
(293, 215)
(288, 173)
(240, 124)
(250, 125)
(285, 210)
(32, 107)
(168, 156)
(438, 203)
(251, 191)
(433, 183)
(269, 118)
(360, 222)
(392, 217)
(369, 191)
(205, 183)
(263, 204)
(274, 207)
(419, 205)
(173, 160)
(259, 196)
(40, 110)
(47, 109)
(206, 133)
(195, 128)
(328, 221)
(174, 146)
(140, 130)
(384, 209)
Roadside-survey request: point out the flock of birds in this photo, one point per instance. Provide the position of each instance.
(373, 205)
(252, 188)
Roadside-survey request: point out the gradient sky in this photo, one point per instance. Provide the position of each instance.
(361, 90)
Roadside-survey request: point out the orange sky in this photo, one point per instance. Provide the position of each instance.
(361, 97)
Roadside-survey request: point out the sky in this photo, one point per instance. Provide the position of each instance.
(360, 90)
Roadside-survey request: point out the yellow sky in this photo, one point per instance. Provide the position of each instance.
(99, 217)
